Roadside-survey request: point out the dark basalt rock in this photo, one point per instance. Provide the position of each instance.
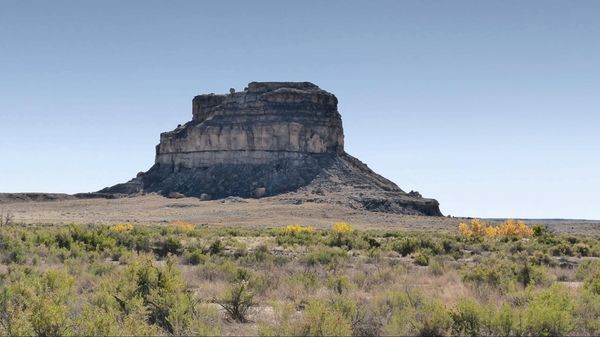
(271, 138)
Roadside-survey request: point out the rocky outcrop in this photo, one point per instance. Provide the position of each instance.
(271, 138)
(266, 122)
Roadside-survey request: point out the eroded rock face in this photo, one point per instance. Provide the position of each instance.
(266, 122)
(271, 138)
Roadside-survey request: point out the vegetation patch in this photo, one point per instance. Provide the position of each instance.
(184, 279)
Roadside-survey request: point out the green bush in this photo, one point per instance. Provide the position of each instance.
(195, 257)
(168, 246)
(581, 249)
(491, 273)
(216, 247)
(411, 313)
(468, 319)
(163, 296)
(325, 256)
(338, 283)
(422, 258)
(539, 230)
(405, 246)
(237, 301)
(562, 249)
(550, 313)
(36, 303)
(321, 318)
(587, 311)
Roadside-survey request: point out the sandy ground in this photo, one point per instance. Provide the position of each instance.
(266, 212)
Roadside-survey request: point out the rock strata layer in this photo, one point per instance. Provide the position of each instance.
(271, 138)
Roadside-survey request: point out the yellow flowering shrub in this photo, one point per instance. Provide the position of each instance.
(510, 227)
(513, 228)
(122, 227)
(182, 226)
(341, 228)
(298, 229)
(464, 230)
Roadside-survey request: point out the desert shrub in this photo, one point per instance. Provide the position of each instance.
(562, 249)
(99, 268)
(491, 273)
(216, 247)
(125, 227)
(282, 324)
(50, 317)
(587, 311)
(343, 235)
(539, 230)
(437, 267)
(472, 318)
(181, 226)
(94, 238)
(36, 303)
(195, 257)
(541, 259)
(168, 246)
(370, 240)
(308, 279)
(163, 296)
(549, 313)
(13, 251)
(450, 246)
(240, 250)
(259, 255)
(325, 256)
(6, 219)
(237, 301)
(337, 316)
(405, 246)
(422, 258)
(587, 268)
(63, 239)
(413, 314)
(14, 302)
(528, 274)
(581, 249)
(338, 283)
(296, 235)
(322, 318)
(468, 318)
(297, 229)
(434, 245)
(341, 228)
(509, 228)
(508, 322)
(592, 276)
(93, 320)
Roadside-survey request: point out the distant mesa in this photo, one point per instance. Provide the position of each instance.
(269, 139)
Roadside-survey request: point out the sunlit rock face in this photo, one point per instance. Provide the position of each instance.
(267, 121)
(270, 138)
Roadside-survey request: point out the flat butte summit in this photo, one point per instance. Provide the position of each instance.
(270, 139)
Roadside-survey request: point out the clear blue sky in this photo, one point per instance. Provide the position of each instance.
(492, 107)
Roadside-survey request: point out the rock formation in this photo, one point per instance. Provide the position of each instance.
(271, 138)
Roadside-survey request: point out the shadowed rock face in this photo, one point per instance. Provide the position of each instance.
(271, 138)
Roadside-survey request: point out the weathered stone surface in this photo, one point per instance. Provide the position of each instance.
(269, 121)
(271, 138)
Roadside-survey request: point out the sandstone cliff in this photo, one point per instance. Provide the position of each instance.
(271, 138)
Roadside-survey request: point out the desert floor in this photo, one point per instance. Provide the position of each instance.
(265, 212)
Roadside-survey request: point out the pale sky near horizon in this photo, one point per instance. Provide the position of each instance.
(491, 107)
